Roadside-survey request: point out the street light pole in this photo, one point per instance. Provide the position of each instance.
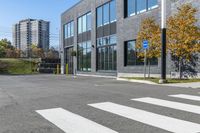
(163, 52)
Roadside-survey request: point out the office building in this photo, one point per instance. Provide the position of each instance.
(103, 34)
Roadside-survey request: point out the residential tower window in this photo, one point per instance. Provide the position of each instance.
(84, 23)
(69, 30)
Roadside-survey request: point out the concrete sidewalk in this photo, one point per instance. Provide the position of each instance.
(195, 85)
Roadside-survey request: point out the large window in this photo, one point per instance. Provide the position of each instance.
(107, 53)
(139, 6)
(152, 4)
(99, 17)
(69, 29)
(84, 23)
(131, 55)
(131, 4)
(112, 11)
(106, 13)
(84, 56)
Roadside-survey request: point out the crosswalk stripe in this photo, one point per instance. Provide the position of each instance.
(189, 97)
(156, 120)
(72, 123)
(175, 105)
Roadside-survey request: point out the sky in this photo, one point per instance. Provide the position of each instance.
(12, 11)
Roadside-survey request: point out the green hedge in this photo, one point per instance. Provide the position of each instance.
(17, 66)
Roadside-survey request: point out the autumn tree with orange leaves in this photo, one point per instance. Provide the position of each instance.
(149, 30)
(183, 37)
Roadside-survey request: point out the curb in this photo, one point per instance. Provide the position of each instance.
(137, 81)
(97, 76)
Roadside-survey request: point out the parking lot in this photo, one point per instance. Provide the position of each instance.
(58, 104)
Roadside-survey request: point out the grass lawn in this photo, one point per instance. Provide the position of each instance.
(156, 80)
(17, 66)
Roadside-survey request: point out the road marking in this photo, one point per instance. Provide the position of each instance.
(170, 104)
(156, 120)
(72, 123)
(184, 96)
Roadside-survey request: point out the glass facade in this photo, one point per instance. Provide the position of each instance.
(99, 16)
(131, 10)
(134, 7)
(84, 23)
(106, 13)
(107, 53)
(69, 30)
(131, 52)
(84, 56)
(131, 55)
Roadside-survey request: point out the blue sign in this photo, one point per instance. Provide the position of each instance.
(145, 44)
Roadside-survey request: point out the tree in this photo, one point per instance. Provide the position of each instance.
(2, 51)
(4, 46)
(52, 53)
(183, 36)
(149, 30)
(37, 52)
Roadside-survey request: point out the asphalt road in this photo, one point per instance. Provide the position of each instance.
(22, 96)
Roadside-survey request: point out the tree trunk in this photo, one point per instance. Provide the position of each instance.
(149, 65)
(180, 68)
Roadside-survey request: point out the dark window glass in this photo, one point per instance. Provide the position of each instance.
(131, 54)
(84, 56)
(107, 53)
(106, 14)
(99, 42)
(131, 7)
(141, 6)
(99, 16)
(152, 4)
(112, 11)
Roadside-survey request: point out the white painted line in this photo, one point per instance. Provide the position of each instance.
(184, 96)
(72, 123)
(156, 120)
(175, 105)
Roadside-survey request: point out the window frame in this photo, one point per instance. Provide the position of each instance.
(68, 29)
(82, 28)
(126, 9)
(102, 14)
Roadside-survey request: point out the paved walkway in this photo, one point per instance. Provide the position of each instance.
(195, 85)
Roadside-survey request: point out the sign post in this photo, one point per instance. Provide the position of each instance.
(145, 47)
